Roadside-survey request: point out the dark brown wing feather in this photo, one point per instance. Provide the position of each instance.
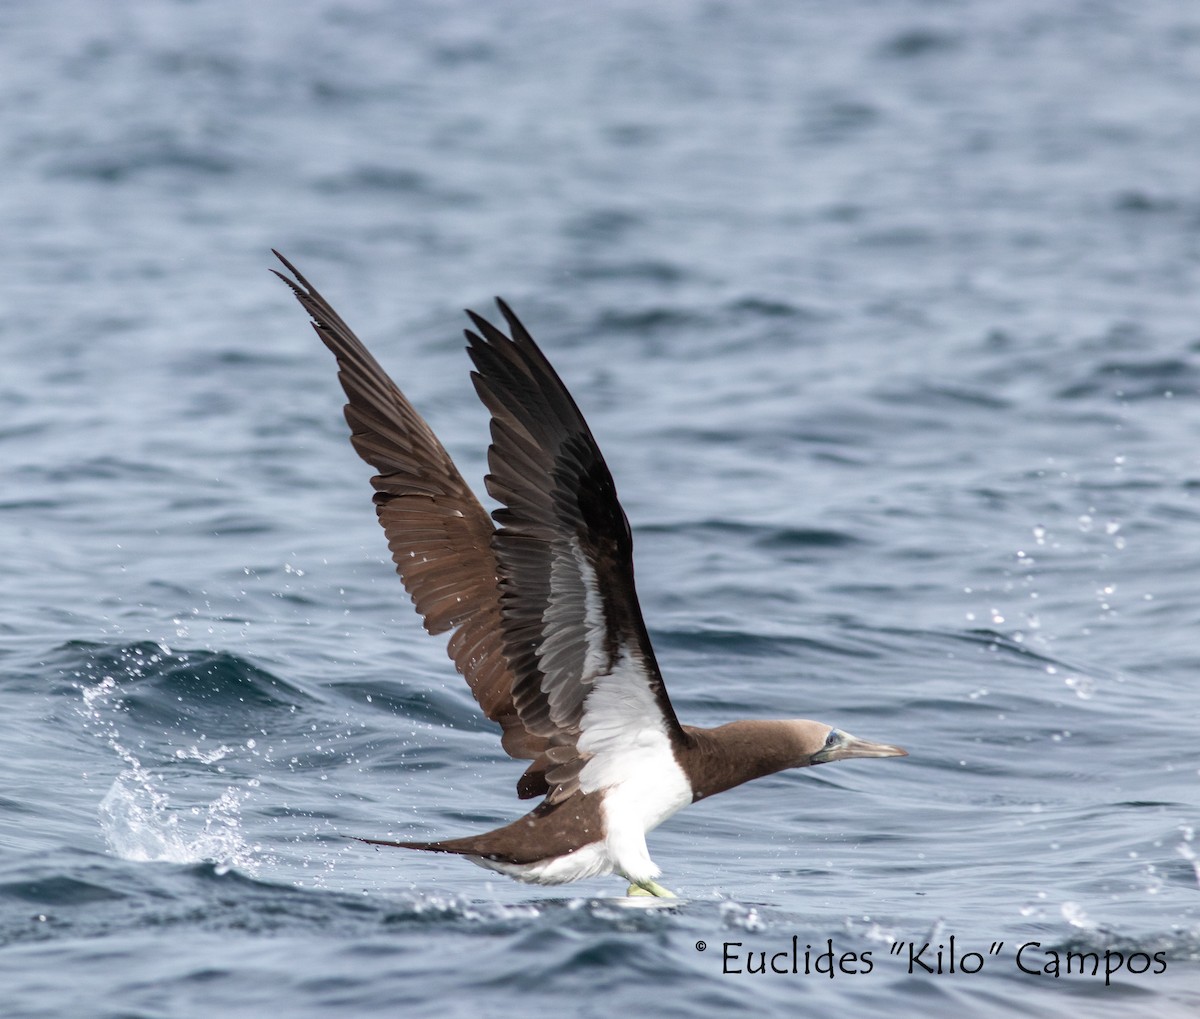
(439, 534)
(564, 549)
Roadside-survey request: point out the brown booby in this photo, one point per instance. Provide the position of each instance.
(544, 617)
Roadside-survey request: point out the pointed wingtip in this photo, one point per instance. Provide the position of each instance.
(296, 282)
(287, 264)
(307, 294)
(483, 325)
(520, 335)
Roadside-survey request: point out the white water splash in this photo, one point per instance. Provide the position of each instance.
(747, 918)
(137, 817)
(1074, 914)
(140, 825)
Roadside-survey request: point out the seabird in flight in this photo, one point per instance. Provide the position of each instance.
(544, 619)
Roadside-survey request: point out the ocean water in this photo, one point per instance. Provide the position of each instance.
(885, 314)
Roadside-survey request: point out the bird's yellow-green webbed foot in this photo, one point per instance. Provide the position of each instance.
(650, 887)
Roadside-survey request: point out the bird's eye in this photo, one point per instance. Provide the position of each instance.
(832, 738)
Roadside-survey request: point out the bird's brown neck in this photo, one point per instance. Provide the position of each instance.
(724, 757)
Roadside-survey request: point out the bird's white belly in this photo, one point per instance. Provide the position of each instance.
(588, 861)
(633, 763)
(632, 808)
(639, 805)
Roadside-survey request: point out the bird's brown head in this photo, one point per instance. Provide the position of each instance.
(737, 752)
(823, 743)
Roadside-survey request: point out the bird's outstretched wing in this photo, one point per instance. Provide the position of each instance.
(439, 533)
(546, 625)
(584, 673)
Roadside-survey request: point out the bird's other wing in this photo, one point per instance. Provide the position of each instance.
(438, 533)
(585, 675)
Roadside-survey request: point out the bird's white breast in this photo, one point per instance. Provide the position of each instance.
(632, 762)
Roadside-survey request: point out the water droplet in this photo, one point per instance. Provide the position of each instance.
(1084, 686)
(1074, 915)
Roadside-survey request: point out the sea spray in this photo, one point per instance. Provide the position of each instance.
(137, 817)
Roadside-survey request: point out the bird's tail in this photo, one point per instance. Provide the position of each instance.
(460, 847)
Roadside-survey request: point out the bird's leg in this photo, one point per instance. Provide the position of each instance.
(650, 887)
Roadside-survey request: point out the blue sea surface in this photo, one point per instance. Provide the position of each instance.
(886, 315)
